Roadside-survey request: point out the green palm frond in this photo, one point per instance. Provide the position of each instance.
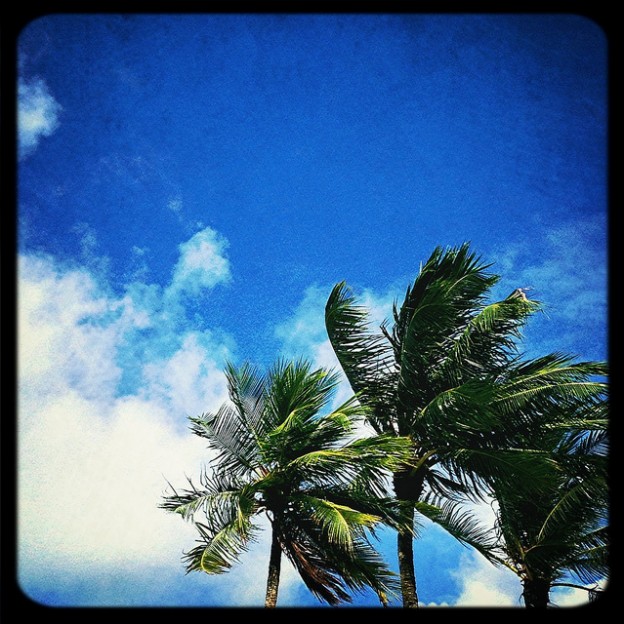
(461, 523)
(487, 342)
(366, 357)
(455, 271)
(367, 461)
(590, 563)
(365, 568)
(224, 499)
(236, 428)
(386, 508)
(447, 293)
(301, 433)
(478, 468)
(218, 551)
(229, 435)
(582, 503)
(342, 523)
(555, 386)
(247, 387)
(331, 569)
(294, 386)
(440, 484)
(560, 362)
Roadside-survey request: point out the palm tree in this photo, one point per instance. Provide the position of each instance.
(320, 487)
(435, 378)
(560, 528)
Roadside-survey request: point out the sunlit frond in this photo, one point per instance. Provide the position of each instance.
(218, 551)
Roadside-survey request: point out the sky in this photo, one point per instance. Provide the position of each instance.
(190, 188)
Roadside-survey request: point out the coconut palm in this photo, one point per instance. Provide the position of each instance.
(559, 529)
(321, 488)
(440, 376)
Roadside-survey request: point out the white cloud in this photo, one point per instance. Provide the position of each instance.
(93, 465)
(483, 585)
(189, 381)
(60, 334)
(93, 469)
(37, 114)
(202, 264)
(303, 335)
(91, 462)
(572, 597)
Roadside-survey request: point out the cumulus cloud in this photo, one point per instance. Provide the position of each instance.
(37, 114)
(91, 461)
(202, 264)
(572, 597)
(67, 330)
(483, 585)
(190, 380)
(93, 468)
(95, 454)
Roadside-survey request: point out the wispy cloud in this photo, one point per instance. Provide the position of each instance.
(175, 205)
(304, 332)
(569, 276)
(37, 114)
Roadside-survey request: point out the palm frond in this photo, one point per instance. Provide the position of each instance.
(461, 523)
(590, 563)
(341, 523)
(487, 342)
(218, 551)
(330, 569)
(581, 504)
(447, 293)
(229, 435)
(386, 508)
(368, 461)
(366, 357)
(294, 386)
(222, 500)
(478, 468)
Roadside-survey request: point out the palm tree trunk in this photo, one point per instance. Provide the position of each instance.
(407, 488)
(536, 593)
(275, 561)
(405, 549)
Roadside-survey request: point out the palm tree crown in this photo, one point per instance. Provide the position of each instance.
(321, 488)
(448, 376)
(559, 528)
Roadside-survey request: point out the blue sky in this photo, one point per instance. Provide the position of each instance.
(190, 187)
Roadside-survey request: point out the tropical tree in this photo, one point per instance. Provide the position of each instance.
(440, 376)
(560, 528)
(320, 486)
